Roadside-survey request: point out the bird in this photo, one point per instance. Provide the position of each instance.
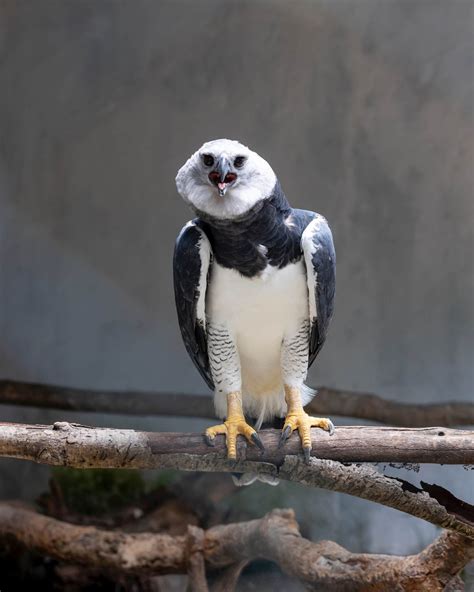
(254, 283)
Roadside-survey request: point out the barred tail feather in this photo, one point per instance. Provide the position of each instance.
(243, 479)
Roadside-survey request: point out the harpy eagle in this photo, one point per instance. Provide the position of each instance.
(254, 285)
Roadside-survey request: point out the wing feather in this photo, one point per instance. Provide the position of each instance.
(192, 258)
(320, 260)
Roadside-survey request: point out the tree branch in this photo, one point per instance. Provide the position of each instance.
(276, 537)
(106, 446)
(81, 446)
(196, 563)
(329, 401)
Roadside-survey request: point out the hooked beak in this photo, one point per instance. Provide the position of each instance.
(222, 176)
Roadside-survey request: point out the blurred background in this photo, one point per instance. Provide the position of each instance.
(364, 110)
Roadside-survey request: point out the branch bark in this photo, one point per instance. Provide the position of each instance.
(329, 401)
(276, 537)
(108, 447)
(81, 446)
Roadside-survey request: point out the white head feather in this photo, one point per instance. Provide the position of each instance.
(254, 180)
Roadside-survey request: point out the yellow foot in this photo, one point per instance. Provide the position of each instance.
(301, 421)
(232, 427)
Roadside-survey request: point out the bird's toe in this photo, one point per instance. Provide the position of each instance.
(307, 453)
(285, 434)
(257, 441)
(210, 441)
(322, 422)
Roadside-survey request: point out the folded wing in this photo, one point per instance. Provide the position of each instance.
(192, 257)
(320, 260)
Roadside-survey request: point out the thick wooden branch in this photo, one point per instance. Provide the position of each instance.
(105, 446)
(329, 401)
(81, 446)
(276, 537)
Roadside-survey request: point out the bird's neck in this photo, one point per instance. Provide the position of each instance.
(248, 243)
(267, 212)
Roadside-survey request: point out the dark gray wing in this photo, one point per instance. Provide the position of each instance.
(192, 256)
(320, 260)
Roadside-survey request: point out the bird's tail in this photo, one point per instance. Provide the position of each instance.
(242, 479)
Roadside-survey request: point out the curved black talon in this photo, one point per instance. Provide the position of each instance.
(231, 462)
(332, 429)
(209, 441)
(286, 433)
(307, 454)
(257, 441)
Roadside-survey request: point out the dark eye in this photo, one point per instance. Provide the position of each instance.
(208, 159)
(239, 162)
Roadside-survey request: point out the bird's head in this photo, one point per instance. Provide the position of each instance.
(225, 179)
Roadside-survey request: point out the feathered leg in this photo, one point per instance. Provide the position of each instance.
(225, 367)
(294, 361)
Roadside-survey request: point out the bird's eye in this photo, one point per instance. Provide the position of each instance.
(208, 159)
(239, 162)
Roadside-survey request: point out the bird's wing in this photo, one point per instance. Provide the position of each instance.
(320, 260)
(192, 257)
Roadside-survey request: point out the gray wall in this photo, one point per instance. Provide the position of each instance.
(364, 109)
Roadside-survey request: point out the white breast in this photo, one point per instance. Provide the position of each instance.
(277, 296)
(259, 312)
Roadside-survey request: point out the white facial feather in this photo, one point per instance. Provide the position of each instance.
(255, 181)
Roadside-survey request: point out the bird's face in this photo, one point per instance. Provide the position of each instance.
(225, 179)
